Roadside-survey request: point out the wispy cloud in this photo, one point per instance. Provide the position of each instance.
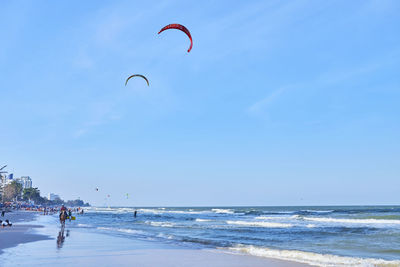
(322, 81)
(265, 102)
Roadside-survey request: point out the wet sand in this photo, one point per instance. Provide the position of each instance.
(20, 232)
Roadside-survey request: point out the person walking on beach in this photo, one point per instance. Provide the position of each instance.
(3, 211)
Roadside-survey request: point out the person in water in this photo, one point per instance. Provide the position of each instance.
(70, 214)
(135, 213)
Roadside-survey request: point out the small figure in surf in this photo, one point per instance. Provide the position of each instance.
(135, 213)
(69, 214)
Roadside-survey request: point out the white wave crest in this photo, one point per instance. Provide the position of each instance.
(166, 236)
(203, 220)
(109, 210)
(313, 258)
(277, 217)
(84, 225)
(360, 221)
(261, 224)
(227, 211)
(129, 231)
(160, 224)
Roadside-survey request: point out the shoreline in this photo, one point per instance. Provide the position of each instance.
(35, 243)
(20, 232)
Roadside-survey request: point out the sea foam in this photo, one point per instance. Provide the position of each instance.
(203, 220)
(313, 258)
(260, 224)
(227, 211)
(160, 224)
(360, 221)
(122, 230)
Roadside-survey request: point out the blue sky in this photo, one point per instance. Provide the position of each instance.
(278, 103)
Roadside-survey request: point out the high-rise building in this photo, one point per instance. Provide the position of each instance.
(53, 196)
(25, 181)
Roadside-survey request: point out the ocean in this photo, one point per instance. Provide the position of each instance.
(317, 235)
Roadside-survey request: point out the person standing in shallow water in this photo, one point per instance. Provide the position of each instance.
(135, 213)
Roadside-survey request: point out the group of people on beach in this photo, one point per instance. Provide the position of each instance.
(52, 210)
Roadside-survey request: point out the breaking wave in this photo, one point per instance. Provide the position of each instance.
(313, 258)
(203, 220)
(227, 211)
(261, 224)
(360, 221)
(122, 230)
(160, 224)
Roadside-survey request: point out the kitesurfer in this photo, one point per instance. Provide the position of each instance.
(137, 75)
(181, 28)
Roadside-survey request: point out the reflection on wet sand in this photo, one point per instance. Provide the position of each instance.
(61, 237)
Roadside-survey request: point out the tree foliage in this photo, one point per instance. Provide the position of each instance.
(14, 190)
(32, 194)
(76, 203)
(11, 191)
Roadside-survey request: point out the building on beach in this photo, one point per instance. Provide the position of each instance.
(53, 196)
(25, 181)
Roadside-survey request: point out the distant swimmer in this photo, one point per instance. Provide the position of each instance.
(135, 213)
(69, 214)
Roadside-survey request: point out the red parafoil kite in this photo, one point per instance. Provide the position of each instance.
(137, 75)
(179, 27)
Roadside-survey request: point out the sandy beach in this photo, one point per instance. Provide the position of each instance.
(20, 232)
(36, 244)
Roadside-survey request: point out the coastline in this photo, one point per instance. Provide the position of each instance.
(39, 240)
(35, 243)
